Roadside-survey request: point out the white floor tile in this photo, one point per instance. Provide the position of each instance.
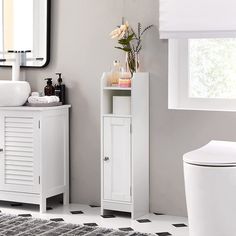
(158, 224)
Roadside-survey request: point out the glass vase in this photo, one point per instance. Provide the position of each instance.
(137, 62)
(130, 62)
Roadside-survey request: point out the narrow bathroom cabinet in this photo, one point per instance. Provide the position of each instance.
(125, 149)
(34, 154)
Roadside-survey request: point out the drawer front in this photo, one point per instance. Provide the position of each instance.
(19, 159)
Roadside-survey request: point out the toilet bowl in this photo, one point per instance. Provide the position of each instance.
(210, 187)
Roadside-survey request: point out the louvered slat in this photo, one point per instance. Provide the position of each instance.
(19, 144)
(19, 154)
(18, 182)
(18, 130)
(18, 149)
(19, 173)
(19, 168)
(18, 139)
(18, 125)
(19, 165)
(18, 135)
(17, 158)
(26, 120)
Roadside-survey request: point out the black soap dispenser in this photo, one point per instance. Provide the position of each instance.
(49, 89)
(60, 89)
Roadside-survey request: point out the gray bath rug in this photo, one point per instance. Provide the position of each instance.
(26, 226)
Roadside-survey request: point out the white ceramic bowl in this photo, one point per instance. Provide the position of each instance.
(13, 93)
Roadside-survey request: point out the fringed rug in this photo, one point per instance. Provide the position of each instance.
(26, 226)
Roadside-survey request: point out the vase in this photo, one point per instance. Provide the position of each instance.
(127, 69)
(130, 62)
(137, 62)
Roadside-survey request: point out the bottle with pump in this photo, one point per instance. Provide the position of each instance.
(60, 89)
(49, 89)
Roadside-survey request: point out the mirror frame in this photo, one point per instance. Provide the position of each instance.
(48, 40)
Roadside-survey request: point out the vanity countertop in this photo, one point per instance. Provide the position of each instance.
(27, 108)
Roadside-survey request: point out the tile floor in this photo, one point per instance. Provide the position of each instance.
(162, 225)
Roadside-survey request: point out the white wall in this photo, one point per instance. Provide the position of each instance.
(82, 50)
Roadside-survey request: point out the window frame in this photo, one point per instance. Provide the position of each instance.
(178, 83)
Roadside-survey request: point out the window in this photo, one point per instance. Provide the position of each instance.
(202, 74)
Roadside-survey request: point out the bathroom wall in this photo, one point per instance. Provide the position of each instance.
(81, 50)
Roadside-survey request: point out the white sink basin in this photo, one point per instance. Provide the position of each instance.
(13, 93)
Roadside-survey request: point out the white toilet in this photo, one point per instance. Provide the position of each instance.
(210, 185)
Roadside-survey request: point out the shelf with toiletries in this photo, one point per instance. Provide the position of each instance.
(54, 95)
(116, 93)
(118, 78)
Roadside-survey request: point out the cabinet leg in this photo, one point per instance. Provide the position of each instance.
(66, 197)
(43, 205)
(102, 211)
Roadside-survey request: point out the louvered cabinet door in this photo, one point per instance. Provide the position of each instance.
(19, 156)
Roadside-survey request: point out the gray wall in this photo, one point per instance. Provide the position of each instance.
(82, 50)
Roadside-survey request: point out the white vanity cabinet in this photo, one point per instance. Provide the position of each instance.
(34, 154)
(125, 148)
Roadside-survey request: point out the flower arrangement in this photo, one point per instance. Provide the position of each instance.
(130, 42)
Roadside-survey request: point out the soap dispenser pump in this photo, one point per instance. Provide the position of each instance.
(60, 89)
(49, 89)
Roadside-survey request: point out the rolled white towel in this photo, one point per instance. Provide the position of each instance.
(53, 99)
(35, 94)
(42, 100)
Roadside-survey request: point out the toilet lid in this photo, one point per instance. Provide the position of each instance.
(215, 153)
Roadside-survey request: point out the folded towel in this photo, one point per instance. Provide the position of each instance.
(45, 99)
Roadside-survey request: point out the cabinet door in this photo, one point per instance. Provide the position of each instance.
(19, 156)
(117, 159)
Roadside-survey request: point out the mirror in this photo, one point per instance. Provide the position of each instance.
(25, 32)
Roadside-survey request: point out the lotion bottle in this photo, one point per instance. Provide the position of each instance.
(49, 89)
(60, 89)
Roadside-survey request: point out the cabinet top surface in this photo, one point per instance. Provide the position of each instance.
(26, 108)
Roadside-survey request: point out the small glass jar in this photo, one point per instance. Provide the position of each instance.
(125, 80)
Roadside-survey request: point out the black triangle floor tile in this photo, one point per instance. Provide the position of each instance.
(25, 215)
(144, 221)
(126, 229)
(180, 225)
(77, 212)
(90, 224)
(158, 214)
(164, 234)
(57, 219)
(107, 216)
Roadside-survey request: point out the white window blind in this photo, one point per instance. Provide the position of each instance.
(197, 18)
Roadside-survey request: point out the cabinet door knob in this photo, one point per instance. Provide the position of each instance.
(106, 159)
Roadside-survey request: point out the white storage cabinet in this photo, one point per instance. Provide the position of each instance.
(125, 149)
(34, 154)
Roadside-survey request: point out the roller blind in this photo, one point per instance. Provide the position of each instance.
(197, 18)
